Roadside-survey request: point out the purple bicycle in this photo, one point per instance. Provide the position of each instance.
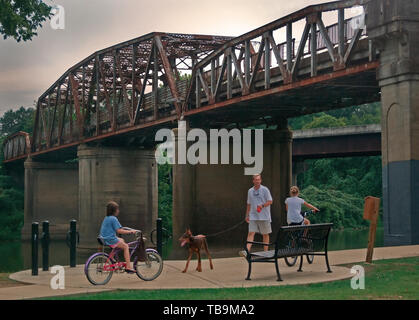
(100, 266)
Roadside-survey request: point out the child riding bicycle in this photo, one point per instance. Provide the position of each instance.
(293, 206)
(110, 228)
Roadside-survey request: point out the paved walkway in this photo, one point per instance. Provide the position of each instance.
(228, 272)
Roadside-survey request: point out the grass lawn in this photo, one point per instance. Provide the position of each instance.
(384, 279)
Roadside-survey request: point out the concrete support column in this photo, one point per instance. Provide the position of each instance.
(277, 173)
(298, 167)
(126, 175)
(51, 193)
(394, 28)
(183, 194)
(211, 198)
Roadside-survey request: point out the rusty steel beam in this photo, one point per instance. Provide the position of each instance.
(106, 93)
(74, 90)
(169, 73)
(285, 73)
(295, 85)
(257, 64)
(300, 50)
(141, 97)
(337, 146)
(126, 101)
(168, 120)
(155, 82)
(57, 102)
(282, 22)
(62, 117)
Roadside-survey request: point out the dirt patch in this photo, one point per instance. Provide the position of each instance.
(5, 282)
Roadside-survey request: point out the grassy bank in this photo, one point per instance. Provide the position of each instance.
(384, 279)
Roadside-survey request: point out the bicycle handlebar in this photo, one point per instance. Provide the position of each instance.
(127, 228)
(304, 214)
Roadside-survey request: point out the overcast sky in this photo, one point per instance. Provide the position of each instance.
(28, 69)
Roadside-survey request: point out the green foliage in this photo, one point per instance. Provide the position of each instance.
(11, 212)
(325, 121)
(165, 196)
(347, 181)
(20, 19)
(358, 115)
(17, 120)
(342, 209)
(357, 176)
(11, 196)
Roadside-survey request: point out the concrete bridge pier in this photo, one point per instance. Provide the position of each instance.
(210, 198)
(126, 175)
(51, 193)
(394, 28)
(298, 167)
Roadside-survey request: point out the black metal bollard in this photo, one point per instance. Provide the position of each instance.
(159, 236)
(35, 235)
(45, 245)
(73, 243)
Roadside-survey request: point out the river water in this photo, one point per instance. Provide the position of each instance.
(16, 256)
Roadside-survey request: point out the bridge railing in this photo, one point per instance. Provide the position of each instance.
(16, 145)
(258, 60)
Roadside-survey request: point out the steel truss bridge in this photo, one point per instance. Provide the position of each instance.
(315, 59)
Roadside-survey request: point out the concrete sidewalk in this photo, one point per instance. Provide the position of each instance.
(227, 273)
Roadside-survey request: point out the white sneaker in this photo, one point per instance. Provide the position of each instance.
(243, 254)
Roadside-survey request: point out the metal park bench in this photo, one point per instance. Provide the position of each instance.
(291, 243)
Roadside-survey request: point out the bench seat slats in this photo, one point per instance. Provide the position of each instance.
(287, 252)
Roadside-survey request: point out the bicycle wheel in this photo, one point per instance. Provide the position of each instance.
(151, 268)
(95, 269)
(310, 257)
(291, 261)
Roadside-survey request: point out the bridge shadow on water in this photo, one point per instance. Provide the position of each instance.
(16, 255)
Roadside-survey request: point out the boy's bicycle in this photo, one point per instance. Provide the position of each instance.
(291, 261)
(100, 266)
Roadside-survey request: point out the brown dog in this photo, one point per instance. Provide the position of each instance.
(195, 243)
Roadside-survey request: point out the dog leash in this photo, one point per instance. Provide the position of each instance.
(224, 231)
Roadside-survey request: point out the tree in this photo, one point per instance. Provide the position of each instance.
(325, 121)
(20, 19)
(19, 120)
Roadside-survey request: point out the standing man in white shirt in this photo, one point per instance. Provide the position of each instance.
(258, 213)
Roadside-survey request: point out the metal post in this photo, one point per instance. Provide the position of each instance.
(45, 245)
(73, 243)
(35, 234)
(160, 236)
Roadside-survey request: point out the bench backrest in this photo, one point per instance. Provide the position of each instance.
(317, 234)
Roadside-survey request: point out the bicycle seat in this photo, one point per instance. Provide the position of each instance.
(101, 241)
